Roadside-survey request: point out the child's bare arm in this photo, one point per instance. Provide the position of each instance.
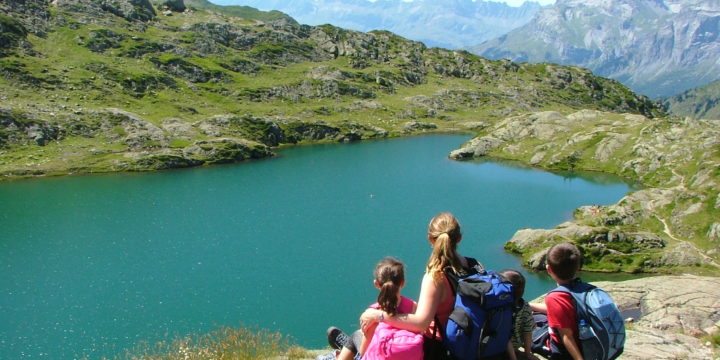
(368, 333)
(538, 307)
(567, 336)
(527, 345)
(511, 351)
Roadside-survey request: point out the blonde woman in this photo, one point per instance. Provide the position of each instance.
(437, 295)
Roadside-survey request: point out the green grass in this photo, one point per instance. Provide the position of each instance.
(242, 343)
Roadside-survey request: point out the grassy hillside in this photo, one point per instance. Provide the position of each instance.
(245, 12)
(91, 88)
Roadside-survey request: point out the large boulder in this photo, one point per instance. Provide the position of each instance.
(131, 129)
(172, 5)
(226, 150)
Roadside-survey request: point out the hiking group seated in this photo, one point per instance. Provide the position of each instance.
(467, 312)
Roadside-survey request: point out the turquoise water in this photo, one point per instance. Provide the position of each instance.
(90, 265)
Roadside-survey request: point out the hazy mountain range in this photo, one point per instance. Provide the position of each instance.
(450, 24)
(657, 47)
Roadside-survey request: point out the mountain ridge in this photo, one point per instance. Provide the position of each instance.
(453, 25)
(658, 48)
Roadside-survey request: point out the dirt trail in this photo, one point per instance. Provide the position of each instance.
(666, 228)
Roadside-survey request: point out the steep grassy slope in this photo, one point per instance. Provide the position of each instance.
(245, 12)
(95, 87)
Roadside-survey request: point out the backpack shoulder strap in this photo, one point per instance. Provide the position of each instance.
(473, 267)
(578, 290)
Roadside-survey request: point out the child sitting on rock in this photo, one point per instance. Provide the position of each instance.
(389, 278)
(523, 323)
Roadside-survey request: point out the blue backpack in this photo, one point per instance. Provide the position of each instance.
(481, 323)
(601, 328)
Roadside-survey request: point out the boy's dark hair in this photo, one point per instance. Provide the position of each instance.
(564, 259)
(518, 281)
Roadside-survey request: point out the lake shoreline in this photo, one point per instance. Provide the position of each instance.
(532, 257)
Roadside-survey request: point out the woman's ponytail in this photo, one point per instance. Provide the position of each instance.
(444, 230)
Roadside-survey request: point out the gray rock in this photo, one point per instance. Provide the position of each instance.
(297, 131)
(177, 127)
(682, 254)
(132, 10)
(226, 150)
(139, 10)
(714, 232)
(475, 125)
(476, 147)
(609, 145)
(172, 5)
(42, 133)
(412, 126)
(136, 132)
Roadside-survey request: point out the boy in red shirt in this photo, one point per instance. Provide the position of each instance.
(563, 262)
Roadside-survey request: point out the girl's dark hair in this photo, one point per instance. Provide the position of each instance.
(518, 281)
(390, 275)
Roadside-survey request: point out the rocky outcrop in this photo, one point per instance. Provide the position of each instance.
(184, 69)
(220, 151)
(172, 5)
(17, 127)
(413, 126)
(131, 129)
(12, 32)
(131, 10)
(669, 315)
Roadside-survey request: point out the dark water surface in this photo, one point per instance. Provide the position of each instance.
(90, 265)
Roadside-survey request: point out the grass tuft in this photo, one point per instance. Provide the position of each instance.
(243, 343)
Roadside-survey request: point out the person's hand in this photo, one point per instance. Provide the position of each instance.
(369, 317)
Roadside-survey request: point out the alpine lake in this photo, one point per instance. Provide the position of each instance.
(92, 265)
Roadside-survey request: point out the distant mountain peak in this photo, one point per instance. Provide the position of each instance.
(658, 47)
(449, 24)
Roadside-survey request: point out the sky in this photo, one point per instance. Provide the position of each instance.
(509, 2)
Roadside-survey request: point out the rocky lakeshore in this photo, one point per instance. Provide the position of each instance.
(668, 224)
